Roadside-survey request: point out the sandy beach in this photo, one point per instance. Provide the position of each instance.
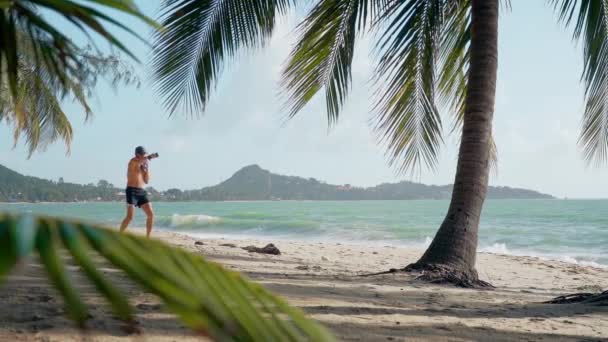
(323, 279)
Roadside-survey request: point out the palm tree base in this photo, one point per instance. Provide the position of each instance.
(446, 274)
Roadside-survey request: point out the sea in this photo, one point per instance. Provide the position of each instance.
(574, 231)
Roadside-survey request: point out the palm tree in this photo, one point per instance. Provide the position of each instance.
(429, 52)
(40, 66)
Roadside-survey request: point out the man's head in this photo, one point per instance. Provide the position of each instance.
(140, 152)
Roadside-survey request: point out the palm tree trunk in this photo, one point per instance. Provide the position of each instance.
(451, 255)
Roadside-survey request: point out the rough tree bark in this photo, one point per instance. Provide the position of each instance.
(451, 255)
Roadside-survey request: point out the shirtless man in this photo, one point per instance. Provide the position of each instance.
(137, 177)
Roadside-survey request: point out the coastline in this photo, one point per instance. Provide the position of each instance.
(314, 200)
(419, 247)
(323, 279)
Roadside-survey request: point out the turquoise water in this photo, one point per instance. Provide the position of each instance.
(569, 230)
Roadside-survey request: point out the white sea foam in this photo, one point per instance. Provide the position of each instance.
(501, 248)
(176, 220)
(427, 241)
(496, 248)
(589, 263)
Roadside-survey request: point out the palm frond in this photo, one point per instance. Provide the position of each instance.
(454, 61)
(590, 19)
(408, 121)
(323, 57)
(197, 39)
(36, 112)
(19, 17)
(493, 158)
(206, 297)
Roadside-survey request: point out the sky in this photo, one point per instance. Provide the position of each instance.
(539, 104)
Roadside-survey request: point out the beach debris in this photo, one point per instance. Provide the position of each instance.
(148, 307)
(40, 298)
(199, 243)
(231, 245)
(268, 249)
(584, 298)
(42, 326)
(29, 318)
(132, 328)
(315, 268)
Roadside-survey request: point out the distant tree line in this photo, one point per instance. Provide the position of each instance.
(15, 187)
(250, 183)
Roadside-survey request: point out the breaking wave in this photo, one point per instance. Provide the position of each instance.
(587, 260)
(185, 221)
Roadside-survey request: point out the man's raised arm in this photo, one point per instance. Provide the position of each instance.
(146, 172)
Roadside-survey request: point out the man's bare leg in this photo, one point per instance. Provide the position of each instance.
(128, 218)
(147, 208)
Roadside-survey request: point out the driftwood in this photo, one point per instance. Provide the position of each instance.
(268, 249)
(582, 298)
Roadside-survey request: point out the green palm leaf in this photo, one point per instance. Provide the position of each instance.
(590, 19)
(18, 17)
(422, 48)
(198, 37)
(40, 66)
(205, 296)
(323, 57)
(408, 121)
(36, 112)
(454, 60)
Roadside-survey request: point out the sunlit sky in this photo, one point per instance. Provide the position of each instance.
(539, 104)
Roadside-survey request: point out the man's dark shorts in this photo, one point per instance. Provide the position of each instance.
(136, 196)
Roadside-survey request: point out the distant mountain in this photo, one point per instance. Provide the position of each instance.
(254, 183)
(250, 183)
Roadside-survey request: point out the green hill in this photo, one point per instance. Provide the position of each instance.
(250, 183)
(15, 187)
(254, 183)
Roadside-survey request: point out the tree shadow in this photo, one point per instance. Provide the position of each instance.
(31, 305)
(445, 332)
(366, 299)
